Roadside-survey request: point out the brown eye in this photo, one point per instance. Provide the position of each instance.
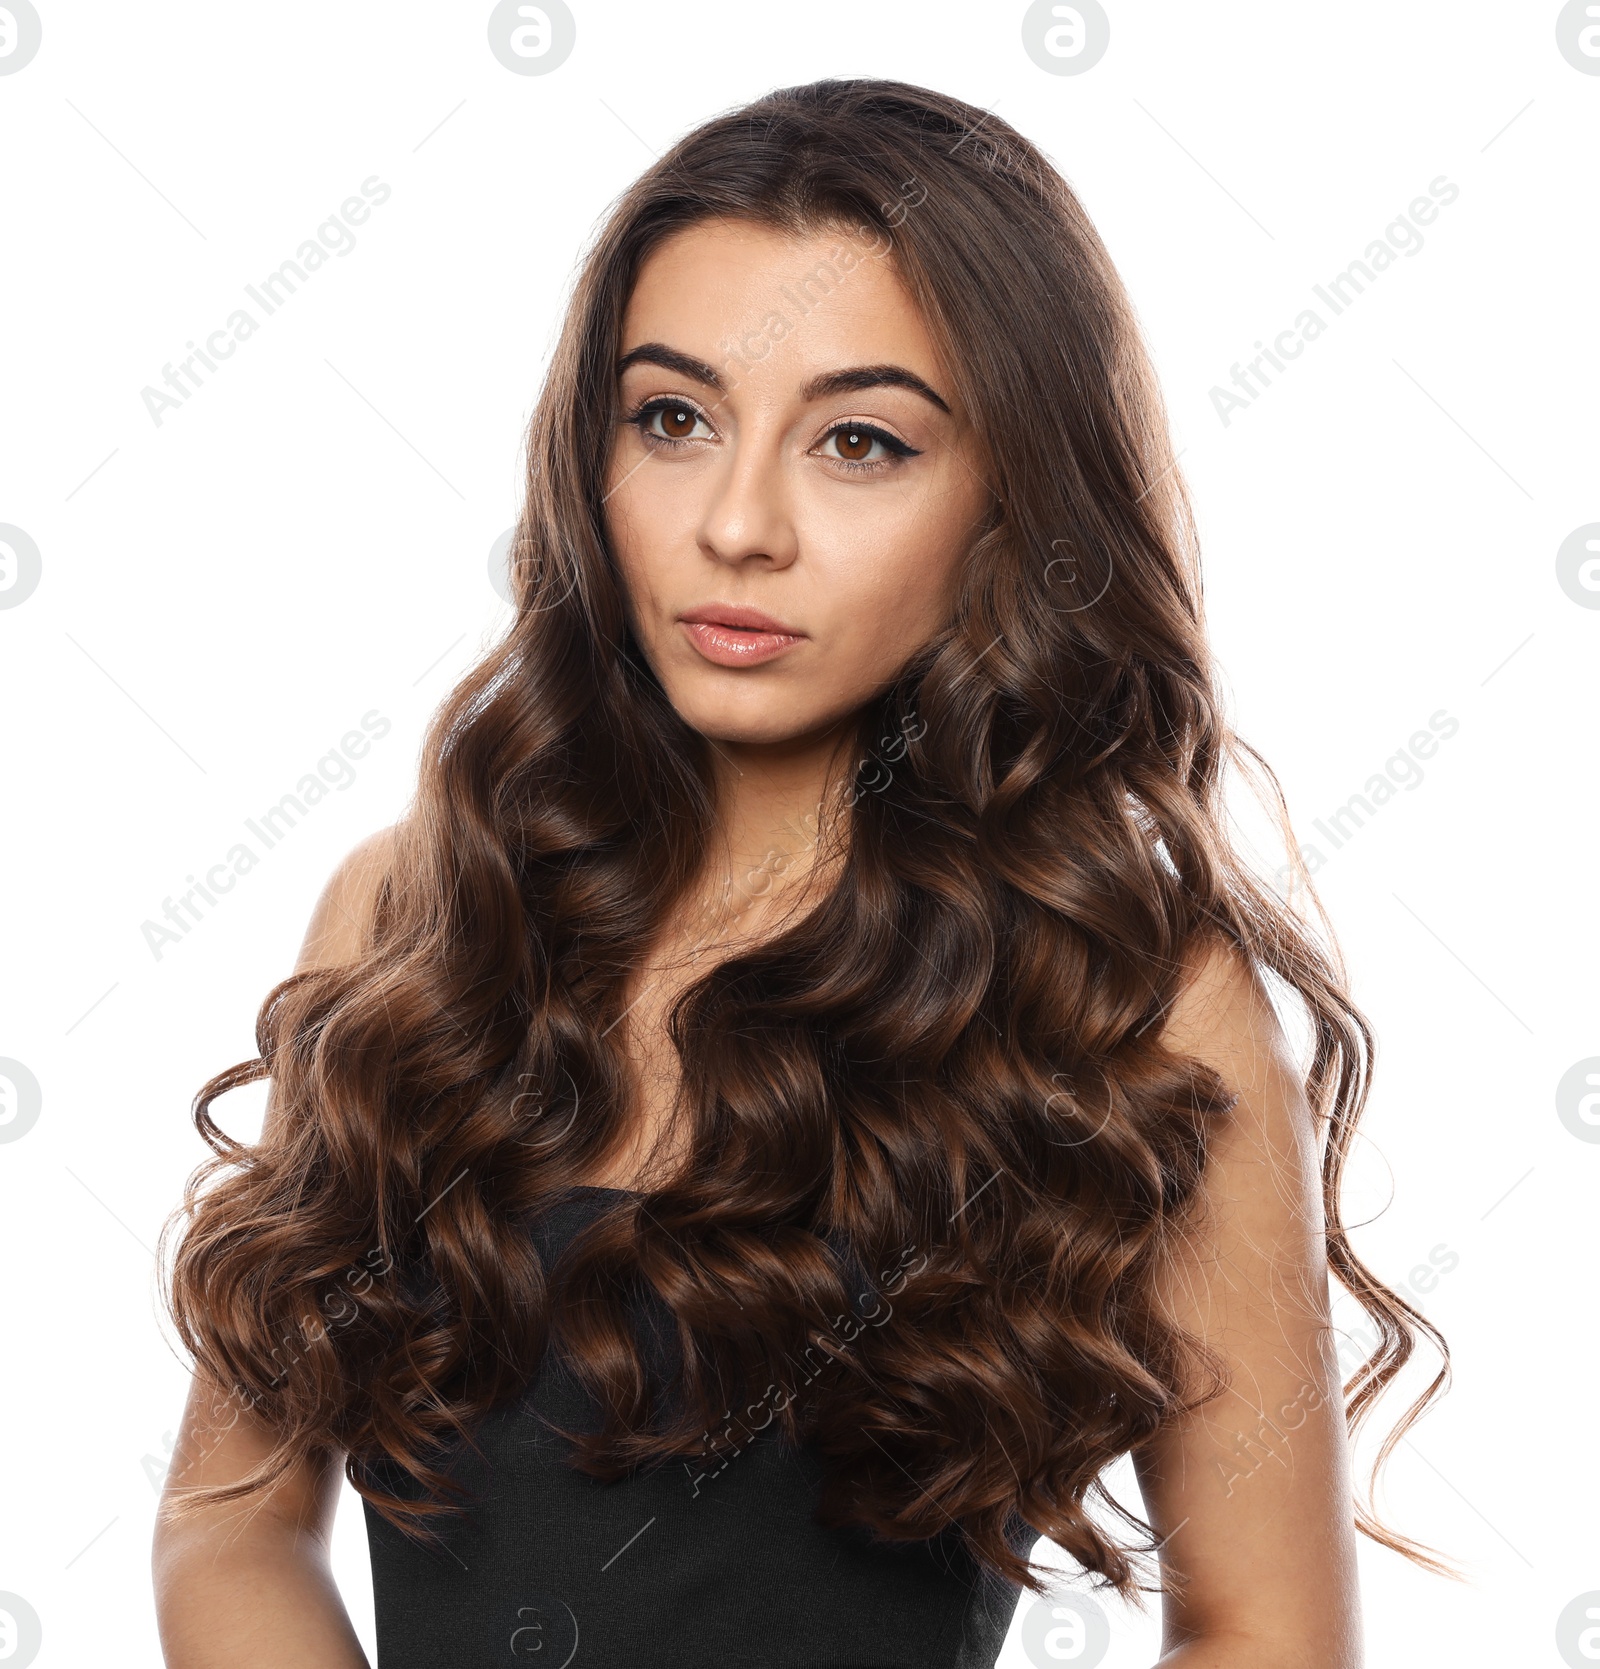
(864, 446)
(670, 421)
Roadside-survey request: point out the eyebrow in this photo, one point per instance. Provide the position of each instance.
(870, 376)
(849, 381)
(658, 353)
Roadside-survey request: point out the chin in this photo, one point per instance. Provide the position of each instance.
(750, 715)
(753, 729)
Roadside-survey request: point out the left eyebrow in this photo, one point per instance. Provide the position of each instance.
(671, 359)
(859, 377)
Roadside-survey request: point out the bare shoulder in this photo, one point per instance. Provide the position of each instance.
(1249, 1491)
(1224, 1016)
(340, 921)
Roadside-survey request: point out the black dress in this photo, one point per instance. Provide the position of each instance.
(665, 1567)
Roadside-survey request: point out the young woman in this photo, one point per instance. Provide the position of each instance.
(798, 1095)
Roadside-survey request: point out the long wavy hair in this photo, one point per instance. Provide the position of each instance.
(946, 1073)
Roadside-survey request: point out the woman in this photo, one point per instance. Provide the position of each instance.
(797, 1096)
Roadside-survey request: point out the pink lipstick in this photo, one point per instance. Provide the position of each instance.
(729, 634)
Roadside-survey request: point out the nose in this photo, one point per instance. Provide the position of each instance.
(748, 515)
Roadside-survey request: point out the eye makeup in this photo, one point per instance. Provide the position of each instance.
(853, 440)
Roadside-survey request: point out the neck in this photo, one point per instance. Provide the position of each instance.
(770, 809)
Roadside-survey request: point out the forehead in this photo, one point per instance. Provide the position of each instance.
(780, 302)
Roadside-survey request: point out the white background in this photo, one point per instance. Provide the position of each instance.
(306, 540)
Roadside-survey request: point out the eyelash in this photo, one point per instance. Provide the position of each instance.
(898, 449)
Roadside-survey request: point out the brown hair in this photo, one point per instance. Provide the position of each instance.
(947, 1072)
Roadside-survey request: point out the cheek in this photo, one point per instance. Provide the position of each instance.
(622, 540)
(891, 564)
(643, 529)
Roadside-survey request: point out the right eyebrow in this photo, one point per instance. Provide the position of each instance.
(670, 359)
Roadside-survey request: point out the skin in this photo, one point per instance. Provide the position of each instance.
(751, 487)
(767, 501)
(1252, 1495)
(250, 1582)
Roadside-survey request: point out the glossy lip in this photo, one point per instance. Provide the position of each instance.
(729, 634)
(737, 615)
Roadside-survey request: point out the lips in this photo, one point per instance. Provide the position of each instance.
(731, 634)
(737, 614)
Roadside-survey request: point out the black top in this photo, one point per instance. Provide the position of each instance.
(664, 1567)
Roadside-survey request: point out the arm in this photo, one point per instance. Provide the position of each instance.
(249, 1582)
(1252, 1494)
